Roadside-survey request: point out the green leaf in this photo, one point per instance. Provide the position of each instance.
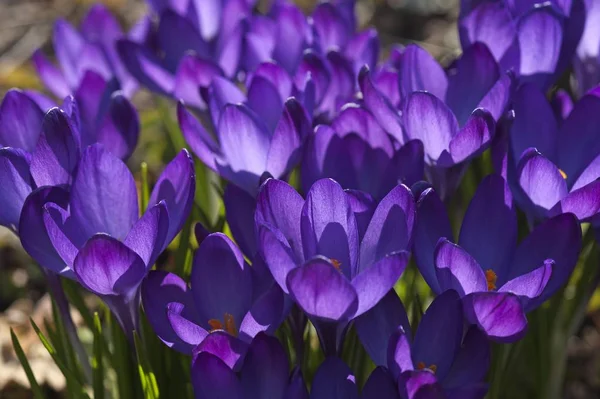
(35, 387)
(97, 359)
(147, 377)
(145, 195)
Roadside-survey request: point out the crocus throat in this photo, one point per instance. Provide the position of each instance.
(563, 174)
(337, 264)
(215, 324)
(422, 366)
(491, 278)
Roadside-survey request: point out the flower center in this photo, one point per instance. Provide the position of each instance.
(563, 174)
(228, 325)
(422, 366)
(491, 278)
(337, 264)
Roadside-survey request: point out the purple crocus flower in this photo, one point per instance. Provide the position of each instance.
(359, 154)
(535, 40)
(586, 65)
(264, 374)
(438, 359)
(226, 294)
(92, 231)
(497, 280)
(43, 149)
(89, 51)
(552, 165)
(323, 256)
(334, 380)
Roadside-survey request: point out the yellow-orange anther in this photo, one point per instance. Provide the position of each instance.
(563, 174)
(422, 366)
(336, 263)
(491, 278)
(215, 324)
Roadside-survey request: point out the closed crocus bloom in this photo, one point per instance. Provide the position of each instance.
(92, 232)
(357, 153)
(552, 165)
(535, 40)
(91, 50)
(323, 256)
(226, 295)
(498, 281)
(263, 374)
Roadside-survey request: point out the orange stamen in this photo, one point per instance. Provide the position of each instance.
(229, 325)
(491, 278)
(422, 366)
(337, 264)
(563, 174)
(215, 325)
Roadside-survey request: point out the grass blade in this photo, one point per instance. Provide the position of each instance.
(36, 390)
(97, 360)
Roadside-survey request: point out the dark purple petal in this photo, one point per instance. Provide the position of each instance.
(541, 180)
(355, 119)
(221, 280)
(57, 152)
(499, 315)
(52, 78)
(34, 238)
(265, 370)
(89, 104)
(184, 324)
(322, 291)
(399, 356)
(225, 346)
(328, 226)
(265, 315)
(314, 65)
(20, 121)
(363, 206)
(120, 129)
(562, 104)
(472, 361)
(264, 99)
(239, 212)
(291, 34)
(332, 31)
(296, 388)
(391, 227)
(407, 166)
(428, 119)
(457, 270)
(470, 79)
(386, 81)
(275, 250)
(334, 380)
(160, 289)
(432, 224)
(213, 379)
(147, 235)
(373, 282)
(375, 327)
(194, 73)
(145, 67)
(472, 139)
(491, 245)
(380, 385)
(499, 96)
(103, 195)
(64, 234)
(439, 334)
(106, 266)
(176, 36)
(589, 175)
(16, 183)
(201, 142)
(419, 71)
(176, 186)
(340, 86)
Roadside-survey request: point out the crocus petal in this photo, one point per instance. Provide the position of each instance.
(407, 166)
(16, 183)
(120, 129)
(363, 205)
(432, 224)
(225, 346)
(372, 283)
(89, 105)
(176, 186)
(334, 380)
(492, 246)
(363, 49)
(499, 315)
(341, 84)
(56, 154)
(103, 195)
(380, 385)
(540, 36)
(380, 106)
(399, 356)
(147, 235)
(436, 345)
(181, 321)
(296, 388)
(499, 96)
(328, 226)
(375, 327)
(194, 73)
(106, 266)
(239, 212)
(177, 35)
(530, 285)
(52, 78)
(221, 92)
(63, 232)
(276, 251)
(419, 384)
(34, 238)
(265, 314)
(291, 31)
(265, 100)
(322, 291)
(456, 269)
(472, 139)
(332, 31)
(419, 71)
(20, 121)
(201, 142)
(583, 202)
(68, 45)
(145, 67)
(428, 119)
(158, 290)
(472, 362)
(471, 78)
(213, 379)
(562, 104)
(265, 370)
(221, 280)
(541, 180)
(314, 65)
(355, 119)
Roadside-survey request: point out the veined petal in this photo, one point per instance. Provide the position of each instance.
(20, 121)
(471, 140)
(583, 202)
(16, 183)
(419, 71)
(291, 31)
(456, 269)
(147, 235)
(120, 129)
(225, 346)
(265, 315)
(541, 180)
(530, 285)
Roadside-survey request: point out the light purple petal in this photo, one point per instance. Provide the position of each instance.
(194, 73)
(583, 202)
(541, 180)
(456, 269)
(399, 356)
(20, 121)
(16, 183)
(145, 67)
(64, 234)
(52, 78)
(201, 142)
(120, 129)
(419, 71)
(225, 346)
(275, 250)
(472, 139)
(499, 315)
(186, 329)
(331, 29)
(532, 284)
(265, 314)
(147, 235)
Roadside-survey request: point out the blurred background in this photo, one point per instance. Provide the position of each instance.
(26, 25)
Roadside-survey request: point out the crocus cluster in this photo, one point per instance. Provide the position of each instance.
(340, 169)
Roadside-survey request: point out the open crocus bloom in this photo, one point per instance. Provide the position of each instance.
(43, 149)
(317, 251)
(226, 295)
(535, 40)
(89, 51)
(555, 166)
(438, 359)
(357, 153)
(93, 233)
(497, 280)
